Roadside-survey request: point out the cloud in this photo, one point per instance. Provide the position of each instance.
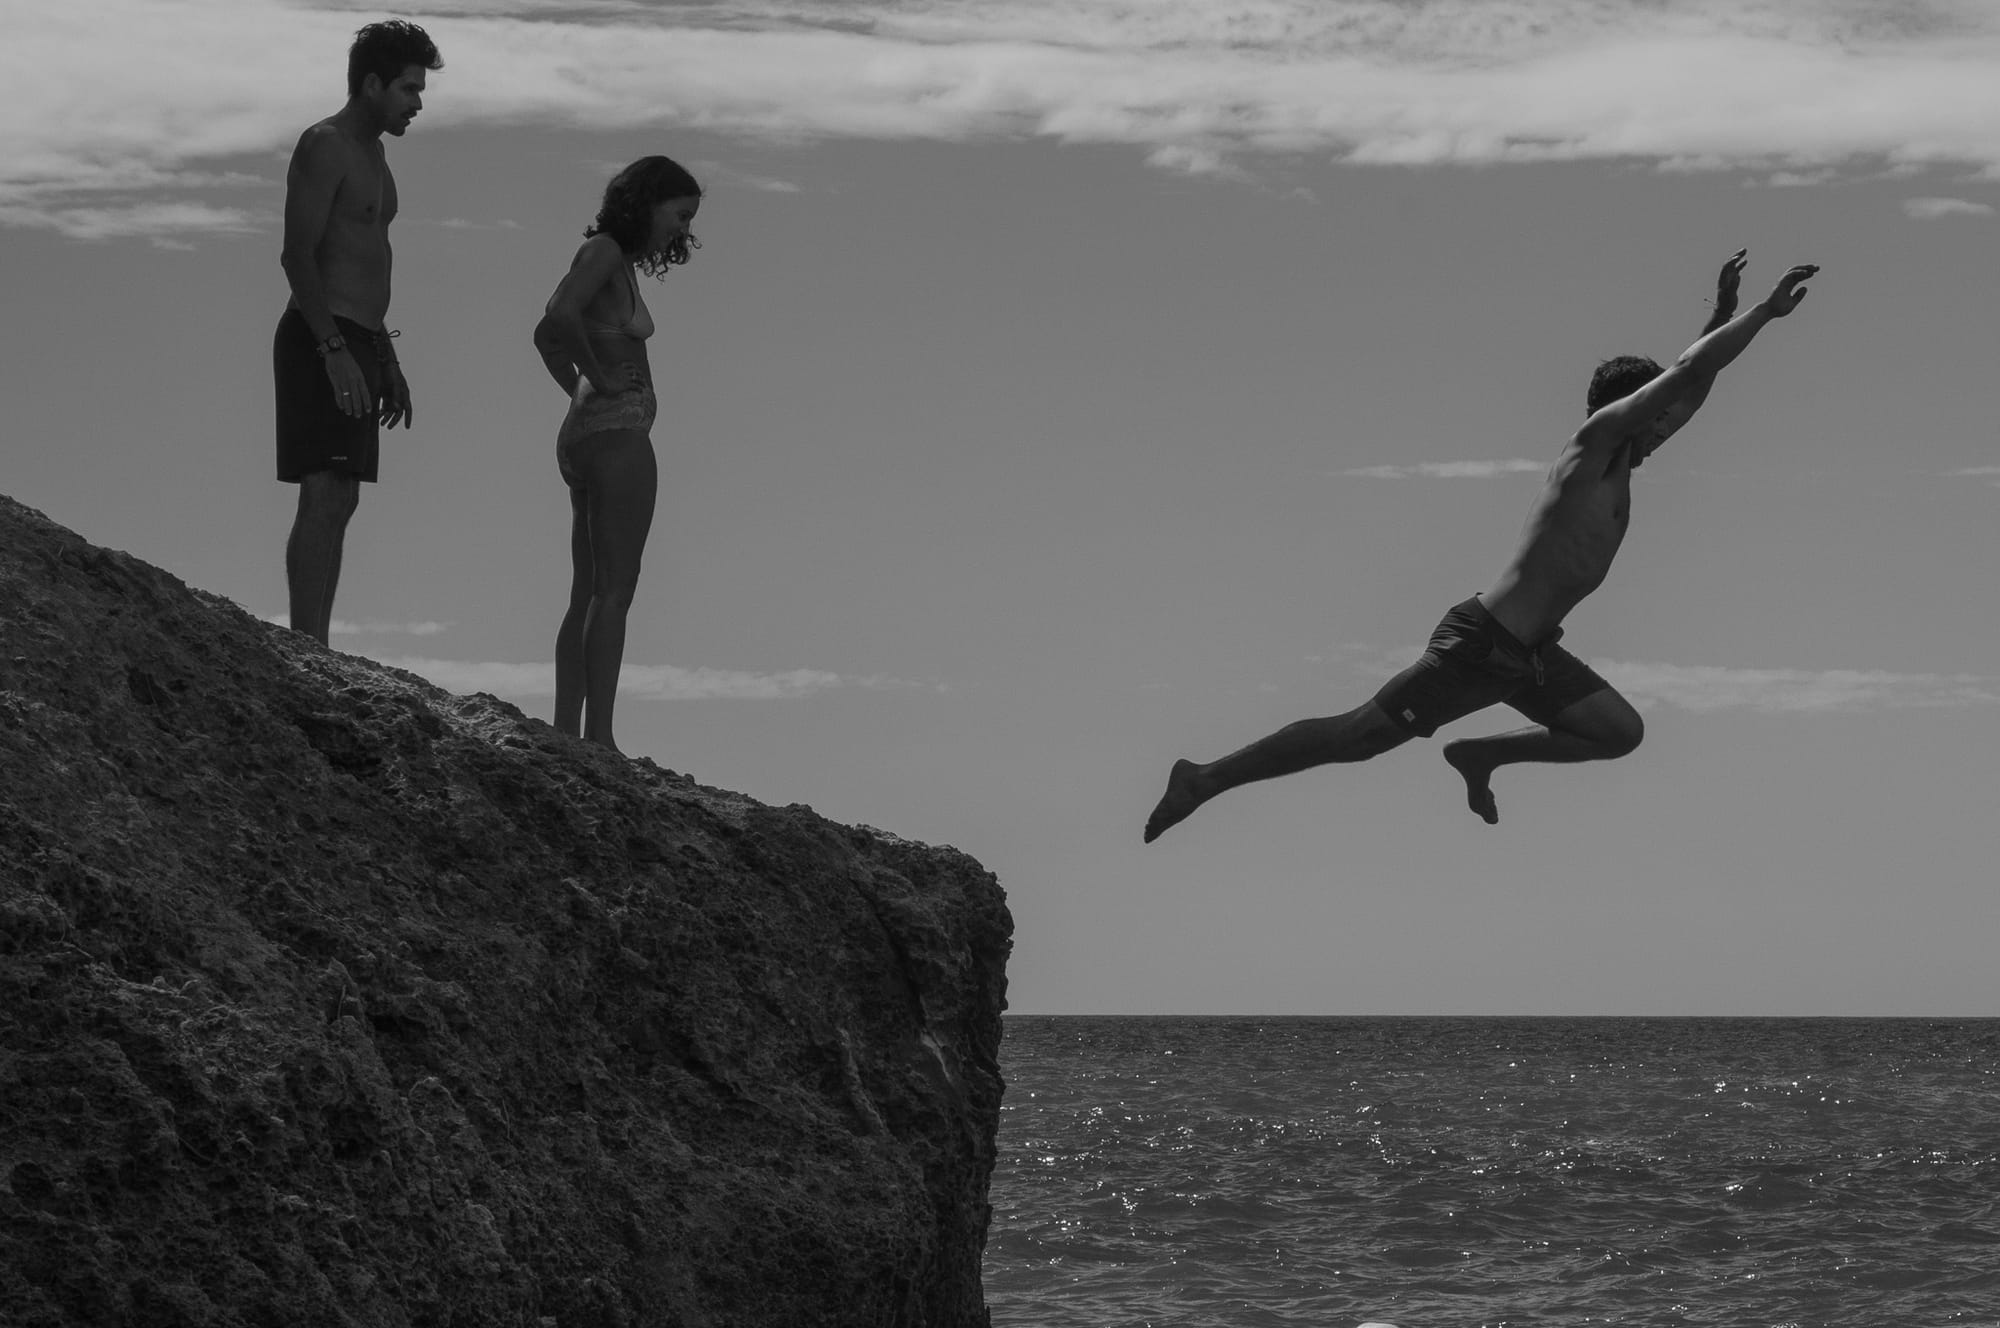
(1801, 179)
(1991, 474)
(1701, 688)
(376, 627)
(711, 172)
(1193, 85)
(1450, 470)
(158, 221)
(369, 627)
(1930, 209)
(1192, 160)
(660, 682)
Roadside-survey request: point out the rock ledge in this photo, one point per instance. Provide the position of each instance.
(328, 997)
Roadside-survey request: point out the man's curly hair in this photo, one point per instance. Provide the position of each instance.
(386, 49)
(1617, 378)
(627, 213)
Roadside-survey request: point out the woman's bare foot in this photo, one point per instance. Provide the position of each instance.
(1478, 779)
(1184, 794)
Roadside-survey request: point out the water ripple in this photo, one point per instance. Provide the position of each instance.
(1783, 1173)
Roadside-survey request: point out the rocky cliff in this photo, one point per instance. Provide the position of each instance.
(328, 997)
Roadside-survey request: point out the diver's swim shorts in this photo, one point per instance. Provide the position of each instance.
(313, 432)
(591, 412)
(1473, 662)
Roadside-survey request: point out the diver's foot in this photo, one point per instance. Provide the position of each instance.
(1184, 794)
(1478, 777)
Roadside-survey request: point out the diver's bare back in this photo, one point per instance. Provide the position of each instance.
(353, 256)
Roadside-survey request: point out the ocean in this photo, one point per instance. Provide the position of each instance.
(1452, 1172)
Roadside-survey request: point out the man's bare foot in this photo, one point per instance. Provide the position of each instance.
(1478, 779)
(1183, 795)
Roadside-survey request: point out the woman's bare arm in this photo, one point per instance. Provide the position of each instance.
(560, 336)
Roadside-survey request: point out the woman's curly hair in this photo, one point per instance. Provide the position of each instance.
(627, 213)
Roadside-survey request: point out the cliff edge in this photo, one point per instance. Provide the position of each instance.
(329, 997)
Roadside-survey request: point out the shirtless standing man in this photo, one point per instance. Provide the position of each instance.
(335, 367)
(1501, 645)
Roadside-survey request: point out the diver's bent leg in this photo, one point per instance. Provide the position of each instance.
(1601, 727)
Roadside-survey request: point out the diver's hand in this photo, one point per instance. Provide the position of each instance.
(1786, 295)
(1728, 280)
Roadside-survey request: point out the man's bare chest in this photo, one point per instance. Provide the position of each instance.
(1608, 510)
(1593, 491)
(367, 195)
(1619, 503)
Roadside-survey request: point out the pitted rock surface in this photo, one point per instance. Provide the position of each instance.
(328, 997)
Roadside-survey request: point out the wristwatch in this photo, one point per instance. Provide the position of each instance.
(330, 345)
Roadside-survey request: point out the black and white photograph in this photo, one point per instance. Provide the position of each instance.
(1000, 664)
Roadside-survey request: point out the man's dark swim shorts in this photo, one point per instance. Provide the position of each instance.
(313, 432)
(1473, 662)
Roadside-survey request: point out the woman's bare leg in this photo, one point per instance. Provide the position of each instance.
(569, 637)
(621, 482)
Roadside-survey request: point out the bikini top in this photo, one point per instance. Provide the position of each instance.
(638, 324)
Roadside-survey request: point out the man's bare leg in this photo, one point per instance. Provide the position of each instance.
(327, 500)
(1359, 734)
(1600, 727)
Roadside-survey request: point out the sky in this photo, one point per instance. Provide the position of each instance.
(1062, 389)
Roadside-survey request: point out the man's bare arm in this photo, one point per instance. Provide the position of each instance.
(318, 165)
(1694, 372)
(312, 180)
(394, 406)
(1726, 283)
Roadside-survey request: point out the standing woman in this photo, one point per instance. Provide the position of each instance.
(593, 340)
